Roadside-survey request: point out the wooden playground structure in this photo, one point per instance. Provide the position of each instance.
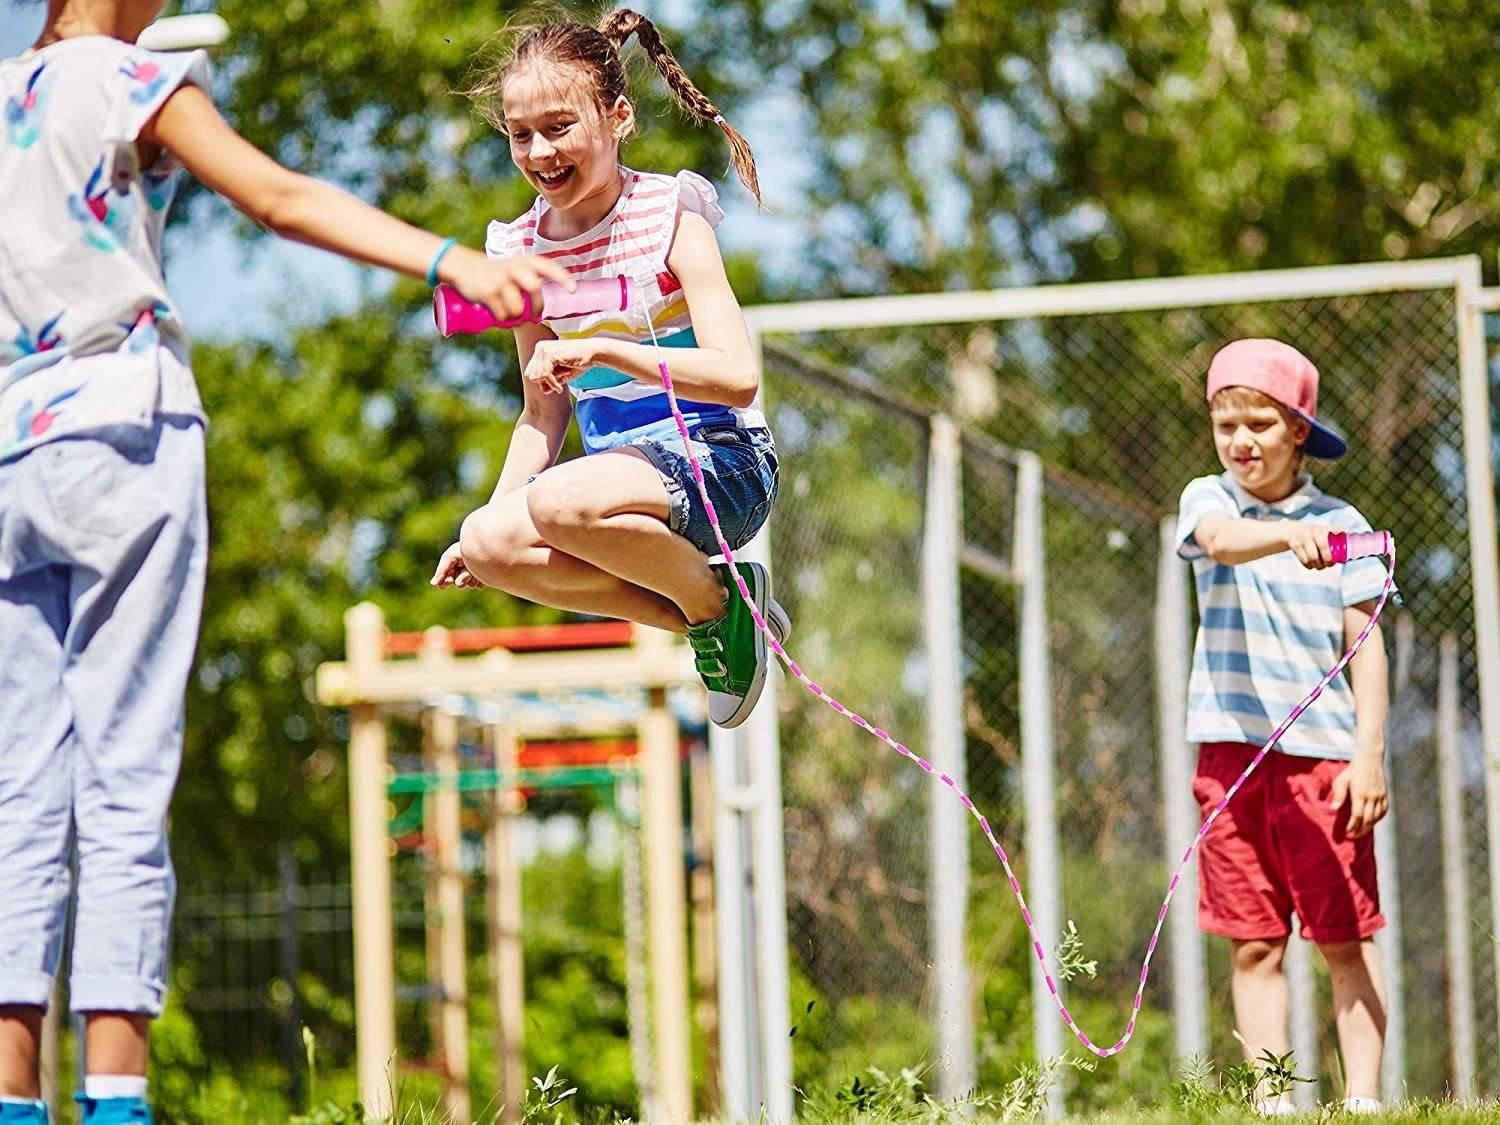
(482, 678)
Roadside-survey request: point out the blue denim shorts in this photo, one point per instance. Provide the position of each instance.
(740, 473)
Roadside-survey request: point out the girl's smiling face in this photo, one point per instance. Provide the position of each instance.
(564, 142)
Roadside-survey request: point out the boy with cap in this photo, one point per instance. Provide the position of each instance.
(1273, 619)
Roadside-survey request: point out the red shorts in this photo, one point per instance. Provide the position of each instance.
(1278, 848)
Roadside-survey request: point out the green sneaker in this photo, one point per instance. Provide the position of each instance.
(776, 618)
(731, 653)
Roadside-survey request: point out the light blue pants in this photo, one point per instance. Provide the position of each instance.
(103, 547)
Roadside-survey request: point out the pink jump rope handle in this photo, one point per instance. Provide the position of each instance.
(1346, 546)
(455, 314)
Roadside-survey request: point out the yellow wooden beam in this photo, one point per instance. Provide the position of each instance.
(499, 673)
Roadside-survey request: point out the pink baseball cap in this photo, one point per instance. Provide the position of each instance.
(1283, 373)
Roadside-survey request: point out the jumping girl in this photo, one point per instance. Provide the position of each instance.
(622, 531)
(103, 522)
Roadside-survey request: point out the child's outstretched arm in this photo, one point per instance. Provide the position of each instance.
(721, 369)
(1231, 540)
(1363, 784)
(311, 211)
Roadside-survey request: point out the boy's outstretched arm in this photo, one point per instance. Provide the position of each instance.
(307, 210)
(1362, 785)
(1232, 540)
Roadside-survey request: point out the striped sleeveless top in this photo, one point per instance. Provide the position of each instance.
(634, 239)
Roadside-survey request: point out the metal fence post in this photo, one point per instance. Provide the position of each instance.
(1173, 651)
(768, 843)
(1044, 869)
(1455, 871)
(948, 848)
(734, 916)
(1479, 480)
(1389, 941)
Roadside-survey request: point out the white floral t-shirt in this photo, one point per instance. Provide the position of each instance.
(88, 335)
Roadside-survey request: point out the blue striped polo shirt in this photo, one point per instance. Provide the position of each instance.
(1269, 630)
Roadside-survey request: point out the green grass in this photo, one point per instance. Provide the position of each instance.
(1202, 1094)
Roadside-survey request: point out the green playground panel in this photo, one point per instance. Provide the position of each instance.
(557, 777)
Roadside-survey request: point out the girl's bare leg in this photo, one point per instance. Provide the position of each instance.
(503, 548)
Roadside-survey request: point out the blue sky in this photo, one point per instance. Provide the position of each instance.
(229, 287)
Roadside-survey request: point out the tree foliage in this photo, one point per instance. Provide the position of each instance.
(975, 143)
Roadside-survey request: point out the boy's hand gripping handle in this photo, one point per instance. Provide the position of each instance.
(1346, 546)
(456, 314)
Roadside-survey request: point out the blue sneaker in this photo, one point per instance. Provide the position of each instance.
(27, 1112)
(114, 1111)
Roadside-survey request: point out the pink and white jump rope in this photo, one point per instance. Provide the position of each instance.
(453, 314)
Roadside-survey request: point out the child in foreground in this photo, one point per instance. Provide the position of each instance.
(1275, 615)
(103, 522)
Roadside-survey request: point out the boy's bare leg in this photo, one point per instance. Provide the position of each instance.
(1259, 988)
(20, 1047)
(1359, 1011)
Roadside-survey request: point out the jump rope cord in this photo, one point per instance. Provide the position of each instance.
(984, 824)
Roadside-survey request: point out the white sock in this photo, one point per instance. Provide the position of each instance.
(11, 1099)
(114, 1086)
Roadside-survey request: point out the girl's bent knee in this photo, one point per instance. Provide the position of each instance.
(472, 540)
(559, 506)
(488, 550)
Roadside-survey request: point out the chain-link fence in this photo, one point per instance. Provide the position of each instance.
(1112, 401)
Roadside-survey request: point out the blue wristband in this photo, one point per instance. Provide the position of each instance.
(447, 245)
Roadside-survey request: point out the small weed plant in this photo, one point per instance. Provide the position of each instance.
(326, 1112)
(1239, 1086)
(1070, 959)
(545, 1100)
